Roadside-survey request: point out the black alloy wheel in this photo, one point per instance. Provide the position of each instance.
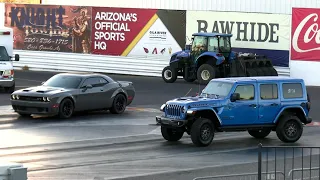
(66, 109)
(119, 104)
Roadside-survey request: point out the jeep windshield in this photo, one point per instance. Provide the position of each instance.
(216, 88)
(4, 54)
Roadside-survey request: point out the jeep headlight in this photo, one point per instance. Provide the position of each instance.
(184, 109)
(162, 107)
(46, 99)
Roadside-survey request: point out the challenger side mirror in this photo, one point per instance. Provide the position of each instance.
(89, 86)
(234, 97)
(42, 82)
(16, 57)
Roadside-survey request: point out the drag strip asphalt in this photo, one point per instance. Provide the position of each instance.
(151, 92)
(101, 146)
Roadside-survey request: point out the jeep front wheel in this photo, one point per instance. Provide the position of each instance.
(169, 74)
(171, 134)
(289, 129)
(205, 73)
(202, 132)
(259, 134)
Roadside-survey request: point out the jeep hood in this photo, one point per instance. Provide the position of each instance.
(196, 101)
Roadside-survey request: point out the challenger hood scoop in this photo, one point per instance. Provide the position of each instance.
(41, 89)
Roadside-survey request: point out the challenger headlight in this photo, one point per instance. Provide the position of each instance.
(46, 99)
(162, 107)
(15, 97)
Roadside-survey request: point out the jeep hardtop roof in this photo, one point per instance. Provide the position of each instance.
(211, 34)
(259, 79)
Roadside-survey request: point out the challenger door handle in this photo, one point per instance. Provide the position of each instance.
(253, 105)
(274, 104)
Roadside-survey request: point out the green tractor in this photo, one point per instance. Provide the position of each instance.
(210, 56)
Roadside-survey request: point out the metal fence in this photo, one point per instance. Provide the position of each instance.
(143, 66)
(281, 163)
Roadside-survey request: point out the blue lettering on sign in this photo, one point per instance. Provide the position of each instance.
(36, 17)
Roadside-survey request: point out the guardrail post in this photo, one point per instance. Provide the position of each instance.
(260, 162)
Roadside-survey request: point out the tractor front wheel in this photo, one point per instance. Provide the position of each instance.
(169, 74)
(205, 73)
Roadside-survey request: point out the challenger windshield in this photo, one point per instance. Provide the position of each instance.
(220, 89)
(4, 54)
(64, 81)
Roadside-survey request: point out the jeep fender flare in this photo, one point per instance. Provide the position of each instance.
(219, 59)
(287, 108)
(194, 111)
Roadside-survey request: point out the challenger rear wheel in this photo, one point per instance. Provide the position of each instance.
(119, 104)
(66, 108)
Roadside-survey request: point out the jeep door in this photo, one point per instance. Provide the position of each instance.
(245, 110)
(269, 102)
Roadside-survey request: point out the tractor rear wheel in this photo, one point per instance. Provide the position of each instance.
(169, 74)
(205, 73)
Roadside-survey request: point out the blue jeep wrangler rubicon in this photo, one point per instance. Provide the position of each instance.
(258, 105)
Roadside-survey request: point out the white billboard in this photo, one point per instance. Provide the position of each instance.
(266, 34)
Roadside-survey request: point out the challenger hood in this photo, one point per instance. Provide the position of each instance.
(196, 101)
(41, 90)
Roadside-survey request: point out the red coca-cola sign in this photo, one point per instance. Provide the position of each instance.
(305, 34)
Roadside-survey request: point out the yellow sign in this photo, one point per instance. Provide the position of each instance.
(21, 1)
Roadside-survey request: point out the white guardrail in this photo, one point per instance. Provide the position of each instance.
(68, 62)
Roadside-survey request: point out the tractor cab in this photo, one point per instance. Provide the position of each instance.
(210, 42)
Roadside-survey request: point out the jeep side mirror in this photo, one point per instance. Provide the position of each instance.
(234, 97)
(16, 57)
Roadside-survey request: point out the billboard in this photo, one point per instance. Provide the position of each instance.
(21, 1)
(305, 34)
(263, 34)
(137, 32)
(50, 27)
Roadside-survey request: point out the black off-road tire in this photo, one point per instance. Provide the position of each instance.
(66, 108)
(198, 136)
(171, 134)
(289, 129)
(260, 134)
(169, 74)
(119, 104)
(210, 69)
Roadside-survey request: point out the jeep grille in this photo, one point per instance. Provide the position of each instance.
(174, 110)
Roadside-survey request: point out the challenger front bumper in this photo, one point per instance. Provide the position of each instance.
(170, 122)
(27, 107)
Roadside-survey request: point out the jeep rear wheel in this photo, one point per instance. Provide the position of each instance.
(171, 134)
(259, 134)
(289, 129)
(169, 74)
(202, 132)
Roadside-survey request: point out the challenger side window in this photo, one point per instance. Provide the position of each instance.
(246, 92)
